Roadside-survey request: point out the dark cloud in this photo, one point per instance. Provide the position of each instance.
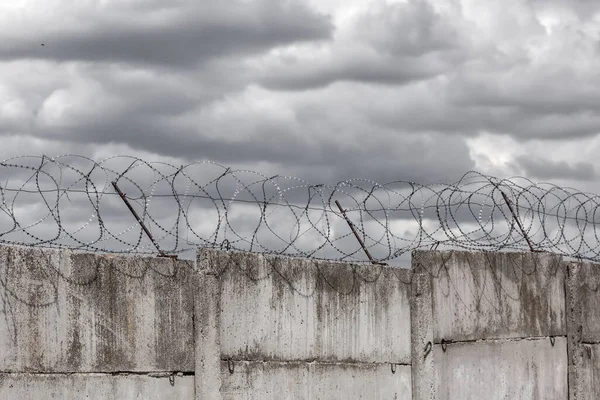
(411, 28)
(552, 170)
(392, 44)
(584, 9)
(378, 69)
(398, 157)
(473, 120)
(413, 91)
(179, 34)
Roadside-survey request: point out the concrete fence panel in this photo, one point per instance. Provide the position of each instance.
(498, 325)
(295, 329)
(63, 313)
(583, 305)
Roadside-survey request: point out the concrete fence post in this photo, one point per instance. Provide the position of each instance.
(207, 324)
(574, 309)
(421, 316)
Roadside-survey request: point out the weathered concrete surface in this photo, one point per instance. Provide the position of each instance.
(583, 311)
(578, 387)
(589, 373)
(422, 355)
(502, 369)
(207, 313)
(94, 387)
(295, 328)
(495, 295)
(63, 312)
(584, 283)
(285, 309)
(305, 381)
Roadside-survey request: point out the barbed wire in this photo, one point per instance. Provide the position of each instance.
(72, 201)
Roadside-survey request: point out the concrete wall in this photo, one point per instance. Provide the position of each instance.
(93, 386)
(244, 326)
(583, 305)
(301, 329)
(77, 325)
(498, 325)
(236, 326)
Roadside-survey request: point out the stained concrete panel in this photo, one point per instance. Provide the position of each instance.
(495, 295)
(502, 369)
(64, 312)
(276, 308)
(589, 373)
(305, 381)
(94, 387)
(583, 300)
(586, 289)
(422, 359)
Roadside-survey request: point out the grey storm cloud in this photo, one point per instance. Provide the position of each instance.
(393, 44)
(583, 8)
(407, 158)
(382, 69)
(549, 169)
(413, 28)
(171, 34)
(387, 92)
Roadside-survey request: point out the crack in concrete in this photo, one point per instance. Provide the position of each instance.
(507, 339)
(319, 362)
(152, 374)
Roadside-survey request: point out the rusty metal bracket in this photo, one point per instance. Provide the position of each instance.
(362, 244)
(139, 220)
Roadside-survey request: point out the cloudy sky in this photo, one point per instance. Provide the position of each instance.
(321, 89)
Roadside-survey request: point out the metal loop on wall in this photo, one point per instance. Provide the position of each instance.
(226, 245)
(230, 366)
(445, 344)
(428, 347)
